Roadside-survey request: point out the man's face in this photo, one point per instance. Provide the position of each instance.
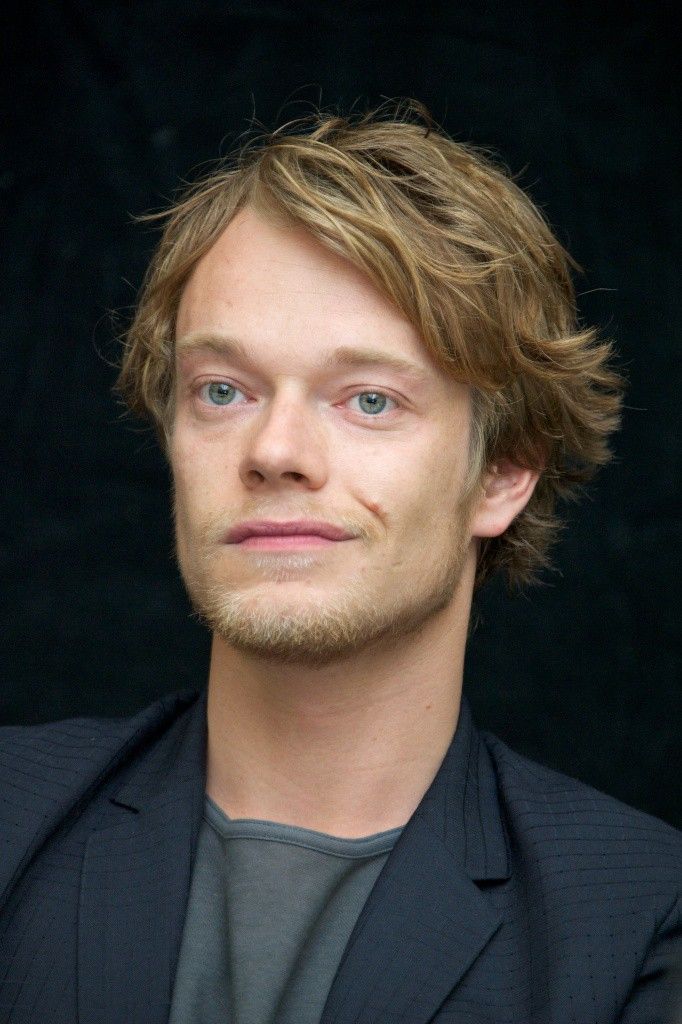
(281, 431)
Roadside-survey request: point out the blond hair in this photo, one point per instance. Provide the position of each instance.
(445, 233)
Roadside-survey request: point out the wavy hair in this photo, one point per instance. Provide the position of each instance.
(443, 231)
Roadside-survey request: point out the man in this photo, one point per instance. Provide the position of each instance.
(358, 344)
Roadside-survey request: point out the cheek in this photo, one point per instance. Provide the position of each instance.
(200, 473)
(368, 479)
(432, 498)
(193, 496)
(183, 479)
(403, 489)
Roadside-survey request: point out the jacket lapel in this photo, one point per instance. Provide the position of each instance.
(136, 878)
(426, 920)
(49, 771)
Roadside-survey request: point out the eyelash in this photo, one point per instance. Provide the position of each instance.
(365, 391)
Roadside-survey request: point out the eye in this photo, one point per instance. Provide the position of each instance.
(218, 392)
(373, 402)
(221, 393)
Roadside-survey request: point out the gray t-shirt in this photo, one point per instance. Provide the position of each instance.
(271, 908)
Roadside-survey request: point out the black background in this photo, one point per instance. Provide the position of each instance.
(109, 106)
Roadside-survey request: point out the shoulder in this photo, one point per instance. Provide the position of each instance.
(51, 760)
(552, 815)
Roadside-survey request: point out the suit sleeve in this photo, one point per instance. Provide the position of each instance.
(656, 996)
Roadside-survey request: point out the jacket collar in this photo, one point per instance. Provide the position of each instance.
(72, 762)
(461, 805)
(425, 909)
(426, 921)
(136, 874)
(176, 763)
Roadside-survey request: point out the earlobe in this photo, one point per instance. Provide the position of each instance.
(506, 489)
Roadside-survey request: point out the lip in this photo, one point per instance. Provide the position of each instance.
(286, 542)
(303, 528)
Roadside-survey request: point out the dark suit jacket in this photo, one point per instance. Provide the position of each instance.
(514, 894)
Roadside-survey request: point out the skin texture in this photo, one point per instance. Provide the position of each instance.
(336, 671)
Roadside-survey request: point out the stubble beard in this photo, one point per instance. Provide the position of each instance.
(318, 633)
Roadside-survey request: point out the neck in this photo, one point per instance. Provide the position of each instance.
(349, 749)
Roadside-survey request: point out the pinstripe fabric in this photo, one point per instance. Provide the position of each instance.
(514, 895)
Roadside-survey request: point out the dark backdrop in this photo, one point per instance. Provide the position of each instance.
(109, 105)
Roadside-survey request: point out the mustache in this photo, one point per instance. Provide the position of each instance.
(215, 526)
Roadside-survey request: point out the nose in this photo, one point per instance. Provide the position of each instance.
(285, 445)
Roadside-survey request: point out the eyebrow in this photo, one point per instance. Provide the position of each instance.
(344, 356)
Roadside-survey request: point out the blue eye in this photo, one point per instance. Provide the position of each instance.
(218, 392)
(221, 393)
(373, 402)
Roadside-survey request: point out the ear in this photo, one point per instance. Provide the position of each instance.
(506, 490)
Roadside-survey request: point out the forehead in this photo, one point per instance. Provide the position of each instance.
(273, 285)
